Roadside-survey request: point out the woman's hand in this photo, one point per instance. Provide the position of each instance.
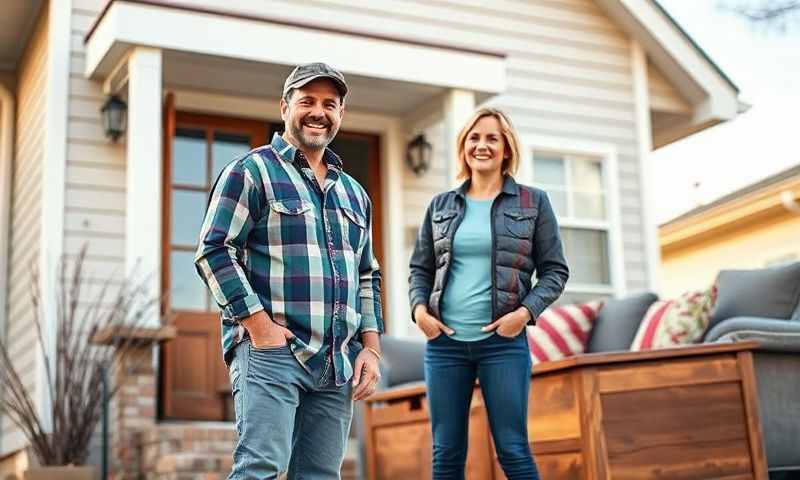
(429, 324)
(511, 324)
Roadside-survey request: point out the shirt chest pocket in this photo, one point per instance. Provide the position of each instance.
(520, 222)
(354, 228)
(442, 223)
(290, 221)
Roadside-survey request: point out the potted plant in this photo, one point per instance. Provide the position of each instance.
(75, 369)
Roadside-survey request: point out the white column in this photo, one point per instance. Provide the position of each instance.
(458, 107)
(645, 141)
(144, 168)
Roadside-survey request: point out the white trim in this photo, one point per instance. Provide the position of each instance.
(390, 130)
(645, 143)
(127, 24)
(459, 105)
(53, 182)
(7, 122)
(144, 165)
(606, 154)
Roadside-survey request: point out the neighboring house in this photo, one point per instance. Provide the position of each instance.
(592, 85)
(754, 227)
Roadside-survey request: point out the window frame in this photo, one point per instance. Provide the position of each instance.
(606, 155)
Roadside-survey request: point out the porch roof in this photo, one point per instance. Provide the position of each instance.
(203, 46)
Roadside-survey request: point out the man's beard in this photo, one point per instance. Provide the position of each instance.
(312, 142)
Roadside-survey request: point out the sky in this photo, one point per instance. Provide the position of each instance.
(765, 65)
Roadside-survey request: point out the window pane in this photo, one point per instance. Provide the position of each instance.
(225, 148)
(587, 175)
(587, 255)
(558, 199)
(188, 291)
(189, 157)
(188, 208)
(549, 169)
(589, 206)
(568, 298)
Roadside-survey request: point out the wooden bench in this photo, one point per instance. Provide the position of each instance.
(682, 413)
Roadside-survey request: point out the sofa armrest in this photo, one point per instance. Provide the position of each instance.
(772, 335)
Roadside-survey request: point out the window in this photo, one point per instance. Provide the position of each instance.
(579, 186)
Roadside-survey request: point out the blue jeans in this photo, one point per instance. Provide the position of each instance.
(290, 423)
(503, 367)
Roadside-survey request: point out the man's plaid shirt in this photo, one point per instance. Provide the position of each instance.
(272, 240)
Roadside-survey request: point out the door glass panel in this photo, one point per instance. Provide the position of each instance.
(587, 253)
(354, 152)
(225, 148)
(188, 208)
(189, 157)
(188, 291)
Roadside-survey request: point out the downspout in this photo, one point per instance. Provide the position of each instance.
(6, 158)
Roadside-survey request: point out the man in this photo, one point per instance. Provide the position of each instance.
(286, 250)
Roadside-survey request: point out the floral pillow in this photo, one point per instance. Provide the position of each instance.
(680, 321)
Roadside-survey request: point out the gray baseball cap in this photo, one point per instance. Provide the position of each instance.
(302, 74)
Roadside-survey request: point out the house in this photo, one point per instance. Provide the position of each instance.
(592, 85)
(753, 227)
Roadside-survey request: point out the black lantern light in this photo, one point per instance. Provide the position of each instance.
(114, 117)
(419, 153)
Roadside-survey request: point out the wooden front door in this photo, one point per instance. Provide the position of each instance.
(194, 379)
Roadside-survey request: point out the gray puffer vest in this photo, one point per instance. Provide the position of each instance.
(525, 240)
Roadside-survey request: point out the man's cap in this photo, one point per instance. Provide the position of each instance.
(302, 74)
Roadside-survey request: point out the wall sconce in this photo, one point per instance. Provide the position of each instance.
(114, 117)
(419, 153)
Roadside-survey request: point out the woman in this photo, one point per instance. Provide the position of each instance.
(471, 295)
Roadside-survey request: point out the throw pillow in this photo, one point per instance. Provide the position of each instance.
(562, 331)
(617, 322)
(765, 292)
(680, 321)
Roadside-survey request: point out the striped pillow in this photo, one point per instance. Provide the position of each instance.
(562, 331)
(681, 321)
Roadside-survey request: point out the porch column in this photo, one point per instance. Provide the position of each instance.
(144, 165)
(458, 106)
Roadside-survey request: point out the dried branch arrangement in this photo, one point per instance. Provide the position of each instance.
(74, 367)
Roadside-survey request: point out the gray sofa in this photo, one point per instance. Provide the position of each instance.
(762, 305)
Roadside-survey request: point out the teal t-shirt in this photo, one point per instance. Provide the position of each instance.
(466, 304)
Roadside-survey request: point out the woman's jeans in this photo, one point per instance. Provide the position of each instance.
(503, 367)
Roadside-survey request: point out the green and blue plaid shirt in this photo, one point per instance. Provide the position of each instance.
(273, 240)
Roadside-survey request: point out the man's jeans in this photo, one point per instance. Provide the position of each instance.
(503, 366)
(288, 420)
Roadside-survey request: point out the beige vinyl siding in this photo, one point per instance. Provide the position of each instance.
(25, 218)
(569, 76)
(95, 173)
(663, 96)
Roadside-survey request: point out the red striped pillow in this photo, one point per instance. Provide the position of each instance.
(562, 331)
(681, 321)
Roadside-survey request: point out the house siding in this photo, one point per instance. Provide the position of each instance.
(25, 216)
(95, 170)
(568, 76)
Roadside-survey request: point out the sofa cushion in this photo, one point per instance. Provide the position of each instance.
(766, 292)
(674, 322)
(562, 331)
(617, 322)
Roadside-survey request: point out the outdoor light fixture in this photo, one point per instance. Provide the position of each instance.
(114, 117)
(419, 153)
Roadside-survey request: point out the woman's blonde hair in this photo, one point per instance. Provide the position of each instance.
(511, 163)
